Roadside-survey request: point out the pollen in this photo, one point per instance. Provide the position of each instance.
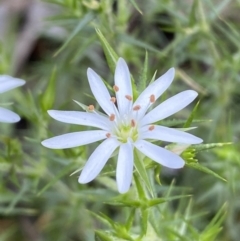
(133, 123)
(91, 107)
(151, 127)
(113, 99)
(128, 97)
(108, 135)
(112, 117)
(137, 107)
(152, 98)
(115, 88)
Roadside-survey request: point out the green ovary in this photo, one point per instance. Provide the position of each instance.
(125, 132)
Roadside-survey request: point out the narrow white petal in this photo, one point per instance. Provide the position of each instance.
(8, 116)
(124, 167)
(74, 139)
(81, 118)
(123, 82)
(156, 89)
(169, 107)
(159, 154)
(168, 134)
(100, 92)
(97, 160)
(8, 83)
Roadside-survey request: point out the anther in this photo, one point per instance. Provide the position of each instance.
(151, 127)
(112, 117)
(115, 88)
(108, 135)
(133, 123)
(113, 99)
(152, 98)
(137, 107)
(128, 97)
(91, 107)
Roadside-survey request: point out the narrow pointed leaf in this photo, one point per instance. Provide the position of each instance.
(110, 54)
(190, 118)
(205, 169)
(83, 22)
(143, 79)
(203, 147)
(139, 165)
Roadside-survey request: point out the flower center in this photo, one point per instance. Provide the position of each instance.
(127, 131)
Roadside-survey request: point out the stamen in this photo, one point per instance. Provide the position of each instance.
(108, 135)
(151, 127)
(128, 97)
(112, 117)
(133, 123)
(115, 88)
(113, 99)
(152, 98)
(91, 107)
(137, 107)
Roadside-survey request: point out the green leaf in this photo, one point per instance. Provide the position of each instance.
(144, 221)
(110, 54)
(48, 97)
(191, 117)
(205, 169)
(84, 21)
(130, 219)
(62, 173)
(203, 147)
(136, 6)
(102, 236)
(192, 15)
(139, 165)
(156, 201)
(176, 122)
(143, 79)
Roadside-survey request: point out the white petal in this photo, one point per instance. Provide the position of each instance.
(97, 160)
(156, 89)
(168, 134)
(124, 167)
(123, 82)
(159, 154)
(169, 107)
(100, 92)
(74, 139)
(8, 116)
(8, 83)
(81, 118)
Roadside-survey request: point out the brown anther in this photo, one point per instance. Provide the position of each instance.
(152, 98)
(108, 135)
(128, 97)
(151, 127)
(133, 123)
(91, 107)
(115, 88)
(112, 117)
(113, 99)
(137, 107)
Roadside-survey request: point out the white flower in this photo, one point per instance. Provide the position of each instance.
(126, 127)
(7, 83)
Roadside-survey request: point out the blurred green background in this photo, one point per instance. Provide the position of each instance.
(51, 44)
